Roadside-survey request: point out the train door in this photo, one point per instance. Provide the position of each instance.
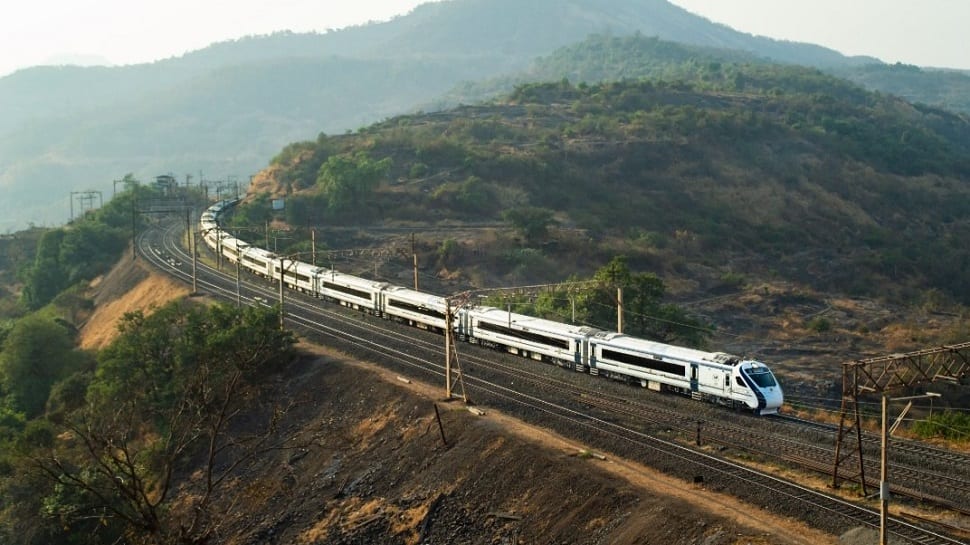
(380, 303)
(693, 377)
(579, 355)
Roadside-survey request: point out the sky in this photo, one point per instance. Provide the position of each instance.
(33, 32)
(920, 32)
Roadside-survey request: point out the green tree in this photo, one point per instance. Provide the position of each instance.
(645, 314)
(530, 221)
(594, 302)
(45, 277)
(88, 249)
(348, 181)
(36, 354)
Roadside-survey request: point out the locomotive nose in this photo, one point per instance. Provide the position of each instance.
(773, 399)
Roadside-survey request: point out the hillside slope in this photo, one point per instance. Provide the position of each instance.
(130, 286)
(764, 171)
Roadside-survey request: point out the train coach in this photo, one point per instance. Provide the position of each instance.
(544, 340)
(413, 307)
(712, 376)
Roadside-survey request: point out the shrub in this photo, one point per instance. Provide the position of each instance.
(948, 425)
(820, 324)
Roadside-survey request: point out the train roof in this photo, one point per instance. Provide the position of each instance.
(257, 252)
(635, 344)
(219, 206)
(532, 323)
(349, 280)
(416, 297)
(235, 243)
(308, 269)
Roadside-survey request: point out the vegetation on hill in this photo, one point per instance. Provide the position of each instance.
(41, 316)
(606, 57)
(764, 169)
(594, 302)
(82, 250)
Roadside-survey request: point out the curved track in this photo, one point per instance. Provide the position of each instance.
(593, 411)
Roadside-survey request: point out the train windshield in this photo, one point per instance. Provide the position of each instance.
(762, 377)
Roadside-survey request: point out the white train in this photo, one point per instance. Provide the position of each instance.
(713, 376)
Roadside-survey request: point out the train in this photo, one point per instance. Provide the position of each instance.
(711, 376)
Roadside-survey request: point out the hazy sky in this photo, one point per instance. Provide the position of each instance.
(922, 32)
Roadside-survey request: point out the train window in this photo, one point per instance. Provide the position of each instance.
(404, 305)
(646, 362)
(762, 377)
(727, 380)
(740, 382)
(693, 373)
(524, 335)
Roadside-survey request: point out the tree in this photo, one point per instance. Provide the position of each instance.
(348, 180)
(166, 394)
(45, 278)
(595, 303)
(645, 315)
(530, 221)
(36, 354)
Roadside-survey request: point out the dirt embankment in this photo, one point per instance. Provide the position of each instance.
(130, 286)
(379, 471)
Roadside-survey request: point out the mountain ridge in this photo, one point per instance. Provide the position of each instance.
(60, 126)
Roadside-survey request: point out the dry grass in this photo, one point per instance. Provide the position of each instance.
(126, 288)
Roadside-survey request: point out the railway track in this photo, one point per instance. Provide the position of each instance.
(597, 415)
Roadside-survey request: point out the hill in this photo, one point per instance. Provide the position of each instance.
(224, 110)
(606, 57)
(948, 89)
(761, 171)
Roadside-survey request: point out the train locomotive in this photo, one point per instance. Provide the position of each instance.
(712, 376)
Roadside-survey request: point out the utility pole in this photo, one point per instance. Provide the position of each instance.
(884, 457)
(414, 254)
(887, 374)
(884, 472)
(282, 274)
(238, 291)
(134, 227)
(448, 321)
(619, 309)
(449, 349)
(195, 259)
